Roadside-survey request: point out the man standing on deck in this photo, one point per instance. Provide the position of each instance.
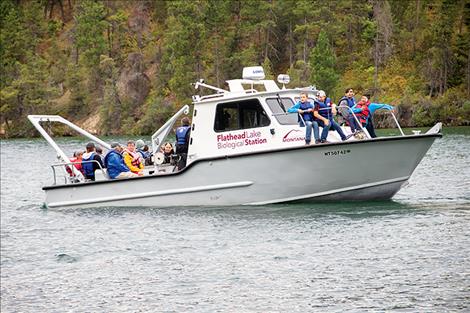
(182, 142)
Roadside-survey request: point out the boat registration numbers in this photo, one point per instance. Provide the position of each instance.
(337, 152)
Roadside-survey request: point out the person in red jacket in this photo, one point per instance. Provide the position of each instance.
(362, 110)
(77, 162)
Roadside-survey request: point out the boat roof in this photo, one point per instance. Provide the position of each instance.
(252, 84)
(241, 88)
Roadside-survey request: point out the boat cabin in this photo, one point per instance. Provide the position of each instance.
(250, 116)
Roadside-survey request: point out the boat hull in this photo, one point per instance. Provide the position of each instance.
(358, 170)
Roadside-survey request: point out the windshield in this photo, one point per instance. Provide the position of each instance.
(279, 114)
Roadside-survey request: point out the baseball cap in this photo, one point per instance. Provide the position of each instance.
(139, 144)
(321, 93)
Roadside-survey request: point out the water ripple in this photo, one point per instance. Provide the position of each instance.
(406, 255)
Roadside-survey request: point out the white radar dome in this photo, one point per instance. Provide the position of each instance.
(253, 73)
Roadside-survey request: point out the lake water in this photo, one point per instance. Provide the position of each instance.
(411, 254)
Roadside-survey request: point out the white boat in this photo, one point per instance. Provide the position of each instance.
(245, 150)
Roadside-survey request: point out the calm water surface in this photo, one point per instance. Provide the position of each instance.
(411, 254)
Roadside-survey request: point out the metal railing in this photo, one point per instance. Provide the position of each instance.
(322, 109)
(391, 113)
(358, 123)
(351, 112)
(69, 175)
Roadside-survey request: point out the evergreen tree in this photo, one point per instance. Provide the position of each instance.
(305, 29)
(322, 65)
(76, 85)
(439, 56)
(299, 74)
(29, 93)
(111, 109)
(268, 69)
(90, 25)
(417, 52)
(285, 41)
(216, 17)
(13, 40)
(116, 34)
(21, 32)
(182, 60)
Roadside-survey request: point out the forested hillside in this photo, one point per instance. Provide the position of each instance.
(122, 67)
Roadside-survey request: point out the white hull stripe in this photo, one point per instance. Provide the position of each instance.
(329, 192)
(151, 194)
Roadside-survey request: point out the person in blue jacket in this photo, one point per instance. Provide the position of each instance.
(115, 163)
(372, 108)
(144, 152)
(305, 109)
(324, 112)
(182, 141)
(91, 161)
(346, 103)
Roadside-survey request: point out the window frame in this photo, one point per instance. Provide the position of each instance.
(287, 116)
(240, 116)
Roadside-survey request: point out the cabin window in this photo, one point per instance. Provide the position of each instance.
(240, 115)
(282, 118)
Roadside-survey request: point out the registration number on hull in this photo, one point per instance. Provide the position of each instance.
(337, 152)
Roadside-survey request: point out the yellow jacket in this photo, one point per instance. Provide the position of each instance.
(133, 161)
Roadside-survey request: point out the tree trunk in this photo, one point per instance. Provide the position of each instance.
(446, 69)
(266, 44)
(462, 17)
(468, 73)
(305, 43)
(46, 5)
(349, 33)
(440, 81)
(376, 63)
(290, 45)
(52, 8)
(61, 5)
(413, 42)
(217, 61)
(110, 40)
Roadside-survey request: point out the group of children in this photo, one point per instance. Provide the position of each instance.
(323, 110)
(131, 160)
(87, 162)
(363, 110)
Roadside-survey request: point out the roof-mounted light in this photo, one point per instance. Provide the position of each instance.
(253, 73)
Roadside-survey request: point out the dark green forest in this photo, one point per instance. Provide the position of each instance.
(123, 67)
